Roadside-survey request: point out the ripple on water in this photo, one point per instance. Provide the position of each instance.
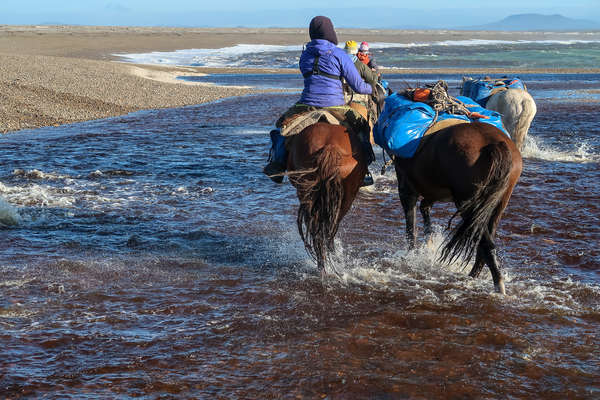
(173, 267)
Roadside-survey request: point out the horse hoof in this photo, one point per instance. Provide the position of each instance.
(323, 275)
(430, 245)
(500, 288)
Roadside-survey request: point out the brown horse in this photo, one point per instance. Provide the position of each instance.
(327, 166)
(474, 165)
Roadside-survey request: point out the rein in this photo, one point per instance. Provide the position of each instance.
(296, 172)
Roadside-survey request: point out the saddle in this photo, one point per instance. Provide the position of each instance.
(443, 124)
(296, 123)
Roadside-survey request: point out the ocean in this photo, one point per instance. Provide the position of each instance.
(147, 256)
(575, 50)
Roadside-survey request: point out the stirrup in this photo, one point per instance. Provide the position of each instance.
(273, 170)
(368, 180)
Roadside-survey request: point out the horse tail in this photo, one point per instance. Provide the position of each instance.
(321, 193)
(528, 111)
(478, 211)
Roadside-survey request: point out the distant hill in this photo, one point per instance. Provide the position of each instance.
(538, 22)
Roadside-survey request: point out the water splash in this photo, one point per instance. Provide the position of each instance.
(398, 268)
(425, 280)
(9, 215)
(39, 195)
(537, 148)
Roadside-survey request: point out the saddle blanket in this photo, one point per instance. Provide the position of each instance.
(482, 89)
(300, 116)
(299, 122)
(403, 123)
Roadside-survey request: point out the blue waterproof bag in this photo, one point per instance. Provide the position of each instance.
(480, 90)
(403, 123)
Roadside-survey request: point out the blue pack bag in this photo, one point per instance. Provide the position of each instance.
(493, 117)
(403, 123)
(480, 89)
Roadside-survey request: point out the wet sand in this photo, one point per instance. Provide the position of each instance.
(52, 75)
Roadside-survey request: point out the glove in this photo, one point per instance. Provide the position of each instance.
(378, 97)
(376, 93)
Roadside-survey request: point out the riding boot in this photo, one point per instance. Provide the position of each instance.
(277, 157)
(370, 155)
(369, 158)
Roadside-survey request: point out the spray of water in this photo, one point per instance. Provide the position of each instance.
(9, 215)
(537, 148)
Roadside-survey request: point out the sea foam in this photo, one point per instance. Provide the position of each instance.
(253, 55)
(223, 57)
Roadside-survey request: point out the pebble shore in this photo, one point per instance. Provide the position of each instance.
(38, 91)
(57, 75)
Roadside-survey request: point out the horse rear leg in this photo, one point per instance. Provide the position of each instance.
(480, 258)
(425, 208)
(409, 204)
(479, 264)
(408, 198)
(486, 252)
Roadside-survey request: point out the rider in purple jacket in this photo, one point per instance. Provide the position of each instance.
(323, 66)
(324, 90)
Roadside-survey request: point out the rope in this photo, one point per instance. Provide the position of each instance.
(437, 97)
(386, 164)
(440, 101)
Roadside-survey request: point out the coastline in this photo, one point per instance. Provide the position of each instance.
(53, 75)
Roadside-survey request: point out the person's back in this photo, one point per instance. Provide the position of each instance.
(323, 89)
(323, 66)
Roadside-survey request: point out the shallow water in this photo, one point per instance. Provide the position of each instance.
(147, 256)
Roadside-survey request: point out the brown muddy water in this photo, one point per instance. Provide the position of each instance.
(146, 256)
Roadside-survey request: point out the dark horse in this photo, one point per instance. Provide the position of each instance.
(476, 166)
(327, 166)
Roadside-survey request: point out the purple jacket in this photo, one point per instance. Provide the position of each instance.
(323, 91)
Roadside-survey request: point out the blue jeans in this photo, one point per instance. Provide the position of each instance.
(278, 151)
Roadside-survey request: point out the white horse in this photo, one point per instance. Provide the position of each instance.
(517, 109)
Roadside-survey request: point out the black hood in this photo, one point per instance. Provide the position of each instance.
(322, 28)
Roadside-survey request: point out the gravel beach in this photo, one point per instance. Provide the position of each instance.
(52, 75)
(56, 75)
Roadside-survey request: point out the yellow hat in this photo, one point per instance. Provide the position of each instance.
(351, 47)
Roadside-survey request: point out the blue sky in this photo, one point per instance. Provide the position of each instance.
(349, 13)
